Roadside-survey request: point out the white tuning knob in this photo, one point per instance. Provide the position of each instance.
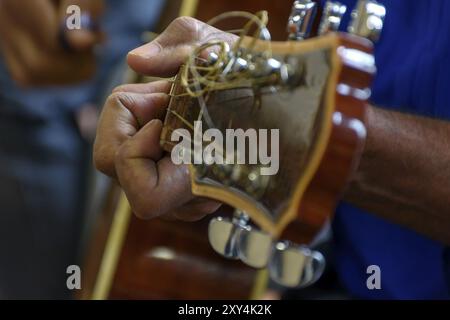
(368, 19)
(301, 19)
(223, 234)
(332, 17)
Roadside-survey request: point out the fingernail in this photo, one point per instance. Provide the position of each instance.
(146, 51)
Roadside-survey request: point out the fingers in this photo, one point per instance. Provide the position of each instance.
(127, 147)
(122, 116)
(143, 145)
(163, 56)
(145, 107)
(151, 87)
(153, 185)
(152, 60)
(127, 144)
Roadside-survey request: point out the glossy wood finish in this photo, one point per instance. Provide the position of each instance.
(278, 12)
(344, 147)
(162, 260)
(173, 260)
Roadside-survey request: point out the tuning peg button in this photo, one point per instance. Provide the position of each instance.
(368, 19)
(295, 266)
(223, 234)
(301, 19)
(254, 247)
(332, 17)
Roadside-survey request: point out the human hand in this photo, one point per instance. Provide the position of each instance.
(127, 144)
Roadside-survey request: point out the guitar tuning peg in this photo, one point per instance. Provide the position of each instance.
(301, 19)
(332, 16)
(223, 234)
(254, 247)
(367, 19)
(289, 265)
(295, 266)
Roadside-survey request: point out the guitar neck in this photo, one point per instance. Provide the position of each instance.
(179, 113)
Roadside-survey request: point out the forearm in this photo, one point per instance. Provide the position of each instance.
(404, 173)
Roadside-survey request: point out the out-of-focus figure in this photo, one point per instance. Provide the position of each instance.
(51, 79)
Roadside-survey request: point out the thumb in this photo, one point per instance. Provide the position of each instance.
(154, 60)
(163, 56)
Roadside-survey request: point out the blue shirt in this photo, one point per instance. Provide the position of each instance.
(413, 60)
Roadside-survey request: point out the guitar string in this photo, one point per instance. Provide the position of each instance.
(201, 83)
(191, 125)
(200, 80)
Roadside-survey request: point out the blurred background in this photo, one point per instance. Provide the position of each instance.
(55, 210)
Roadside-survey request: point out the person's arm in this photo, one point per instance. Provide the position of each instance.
(404, 173)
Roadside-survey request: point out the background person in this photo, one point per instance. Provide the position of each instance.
(48, 89)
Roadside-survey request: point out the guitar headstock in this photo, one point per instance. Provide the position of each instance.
(274, 129)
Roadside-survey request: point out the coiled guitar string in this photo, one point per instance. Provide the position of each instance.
(199, 76)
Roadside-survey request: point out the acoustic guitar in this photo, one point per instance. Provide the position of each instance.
(313, 91)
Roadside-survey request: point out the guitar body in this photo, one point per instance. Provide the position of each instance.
(134, 259)
(176, 262)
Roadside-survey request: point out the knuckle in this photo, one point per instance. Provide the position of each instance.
(126, 99)
(112, 100)
(116, 98)
(185, 21)
(187, 25)
(102, 160)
